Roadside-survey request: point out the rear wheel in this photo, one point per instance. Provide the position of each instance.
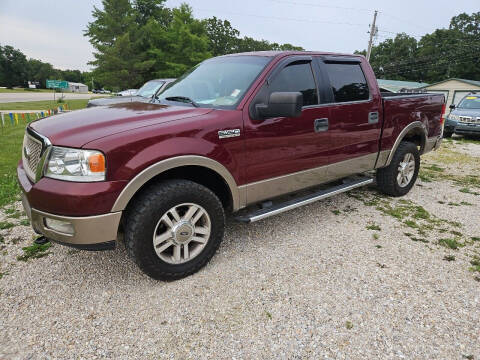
(174, 228)
(399, 177)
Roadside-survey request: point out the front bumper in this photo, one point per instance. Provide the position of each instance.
(87, 231)
(464, 129)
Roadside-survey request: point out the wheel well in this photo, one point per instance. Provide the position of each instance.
(416, 136)
(201, 175)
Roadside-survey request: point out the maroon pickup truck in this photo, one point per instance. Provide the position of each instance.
(236, 132)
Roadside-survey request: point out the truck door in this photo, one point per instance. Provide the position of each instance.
(355, 115)
(280, 150)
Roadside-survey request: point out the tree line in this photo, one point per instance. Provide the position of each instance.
(17, 70)
(443, 54)
(137, 40)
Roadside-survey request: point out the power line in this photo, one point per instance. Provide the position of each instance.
(280, 18)
(319, 5)
(403, 20)
(348, 8)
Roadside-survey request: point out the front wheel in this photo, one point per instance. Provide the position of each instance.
(173, 229)
(399, 177)
(447, 134)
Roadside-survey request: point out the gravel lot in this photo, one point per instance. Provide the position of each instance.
(356, 276)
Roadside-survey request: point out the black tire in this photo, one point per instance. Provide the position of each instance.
(144, 214)
(447, 135)
(387, 176)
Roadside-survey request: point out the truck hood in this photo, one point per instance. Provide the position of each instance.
(76, 128)
(466, 112)
(116, 100)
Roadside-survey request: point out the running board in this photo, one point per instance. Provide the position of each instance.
(304, 200)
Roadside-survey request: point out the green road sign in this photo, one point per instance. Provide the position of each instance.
(57, 84)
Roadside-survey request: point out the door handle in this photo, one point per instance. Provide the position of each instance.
(320, 125)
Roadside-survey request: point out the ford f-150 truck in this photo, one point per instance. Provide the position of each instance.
(237, 132)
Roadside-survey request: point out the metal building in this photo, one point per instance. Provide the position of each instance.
(77, 87)
(454, 89)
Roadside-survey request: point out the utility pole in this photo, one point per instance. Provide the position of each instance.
(373, 33)
(92, 84)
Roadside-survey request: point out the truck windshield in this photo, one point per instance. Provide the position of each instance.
(470, 102)
(219, 82)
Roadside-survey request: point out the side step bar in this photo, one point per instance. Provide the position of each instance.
(304, 200)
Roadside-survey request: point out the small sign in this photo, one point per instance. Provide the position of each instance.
(57, 84)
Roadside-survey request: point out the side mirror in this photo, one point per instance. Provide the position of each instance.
(452, 106)
(281, 104)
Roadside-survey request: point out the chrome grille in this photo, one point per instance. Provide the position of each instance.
(31, 154)
(469, 120)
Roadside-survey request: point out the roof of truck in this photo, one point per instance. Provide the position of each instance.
(284, 53)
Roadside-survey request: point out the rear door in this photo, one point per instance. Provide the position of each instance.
(355, 115)
(281, 147)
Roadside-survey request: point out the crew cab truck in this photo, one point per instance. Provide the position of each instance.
(235, 131)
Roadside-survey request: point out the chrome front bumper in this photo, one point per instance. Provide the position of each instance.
(87, 230)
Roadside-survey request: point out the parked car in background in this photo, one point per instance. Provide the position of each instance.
(144, 94)
(101, 91)
(464, 118)
(129, 92)
(235, 132)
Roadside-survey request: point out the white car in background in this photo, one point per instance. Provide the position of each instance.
(128, 92)
(144, 94)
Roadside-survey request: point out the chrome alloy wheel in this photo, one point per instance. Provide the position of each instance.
(182, 233)
(406, 170)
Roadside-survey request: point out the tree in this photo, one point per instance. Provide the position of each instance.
(152, 9)
(222, 37)
(114, 20)
(466, 24)
(13, 67)
(185, 44)
(136, 40)
(444, 53)
(40, 71)
(392, 57)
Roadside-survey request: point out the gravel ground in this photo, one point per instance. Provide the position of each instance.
(310, 283)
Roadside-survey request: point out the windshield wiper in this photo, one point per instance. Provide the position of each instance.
(182, 99)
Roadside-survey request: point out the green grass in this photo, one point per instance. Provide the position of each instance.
(6, 225)
(25, 90)
(43, 105)
(373, 227)
(34, 251)
(450, 243)
(11, 139)
(475, 262)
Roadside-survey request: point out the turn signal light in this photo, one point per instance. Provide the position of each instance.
(96, 162)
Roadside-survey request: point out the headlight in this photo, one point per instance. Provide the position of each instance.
(75, 165)
(453, 117)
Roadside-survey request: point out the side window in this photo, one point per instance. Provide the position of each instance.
(348, 82)
(297, 76)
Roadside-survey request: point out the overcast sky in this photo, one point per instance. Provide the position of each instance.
(52, 30)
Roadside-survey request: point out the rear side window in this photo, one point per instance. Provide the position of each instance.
(348, 82)
(297, 76)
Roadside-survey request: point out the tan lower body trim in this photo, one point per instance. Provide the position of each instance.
(270, 188)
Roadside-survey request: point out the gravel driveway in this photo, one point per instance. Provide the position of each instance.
(358, 276)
